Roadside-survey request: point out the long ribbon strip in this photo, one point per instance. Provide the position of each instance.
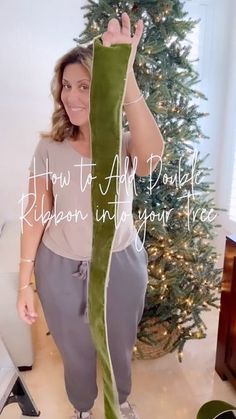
(109, 72)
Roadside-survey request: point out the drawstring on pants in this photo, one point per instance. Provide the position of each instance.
(82, 272)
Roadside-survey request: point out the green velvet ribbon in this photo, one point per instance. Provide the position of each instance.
(109, 72)
(214, 408)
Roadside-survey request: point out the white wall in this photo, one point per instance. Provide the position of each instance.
(215, 66)
(227, 145)
(214, 53)
(34, 34)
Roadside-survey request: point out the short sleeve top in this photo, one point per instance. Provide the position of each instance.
(69, 226)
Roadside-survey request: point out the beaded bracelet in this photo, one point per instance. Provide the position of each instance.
(26, 286)
(134, 101)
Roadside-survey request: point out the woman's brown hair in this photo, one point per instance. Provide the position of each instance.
(61, 126)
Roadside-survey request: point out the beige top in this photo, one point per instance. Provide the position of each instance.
(69, 229)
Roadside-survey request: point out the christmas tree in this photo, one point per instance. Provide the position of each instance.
(173, 208)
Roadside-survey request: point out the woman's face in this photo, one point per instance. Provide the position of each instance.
(75, 93)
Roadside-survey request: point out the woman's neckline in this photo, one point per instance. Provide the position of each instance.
(69, 142)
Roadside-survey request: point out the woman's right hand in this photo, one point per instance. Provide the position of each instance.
(26, 305)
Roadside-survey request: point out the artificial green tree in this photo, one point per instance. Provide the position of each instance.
(173, 208)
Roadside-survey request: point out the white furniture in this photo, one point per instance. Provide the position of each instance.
(15, 333)
(12, 386)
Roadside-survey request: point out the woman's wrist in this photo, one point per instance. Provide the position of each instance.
(26, 269)
(26, 260)
(132, 91)
(25, 278)
(24, 287)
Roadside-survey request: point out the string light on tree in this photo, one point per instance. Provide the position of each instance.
(181, 260)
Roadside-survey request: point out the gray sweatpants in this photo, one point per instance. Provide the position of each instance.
(62, 288)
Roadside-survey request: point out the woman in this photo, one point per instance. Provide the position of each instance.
(57, 238)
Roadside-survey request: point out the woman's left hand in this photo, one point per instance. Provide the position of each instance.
(121, 35)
